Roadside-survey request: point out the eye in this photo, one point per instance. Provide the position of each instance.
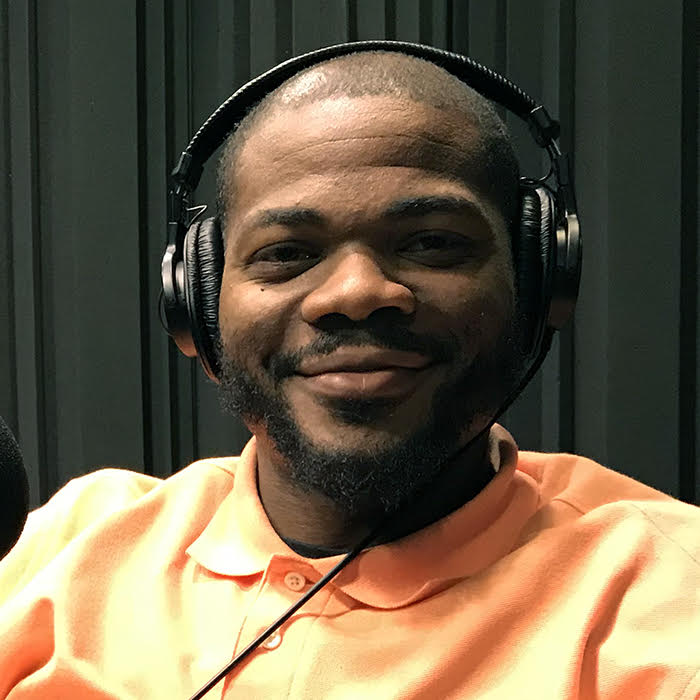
(438, 248)
(286, 258)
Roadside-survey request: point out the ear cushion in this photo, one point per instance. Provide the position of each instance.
(532, 261)
(204, 264)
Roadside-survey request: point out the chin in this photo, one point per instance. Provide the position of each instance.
(362, 467)
(361, 423)
(358, 441)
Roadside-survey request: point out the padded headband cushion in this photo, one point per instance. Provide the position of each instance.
(204, 269)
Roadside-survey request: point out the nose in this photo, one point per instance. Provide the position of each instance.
(356, 286)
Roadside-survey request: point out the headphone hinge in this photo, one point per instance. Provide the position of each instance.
(184, 174)
(177, 207)
(564, 176)
(543, 128)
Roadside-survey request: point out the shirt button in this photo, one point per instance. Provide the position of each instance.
(294, 581)
(274, 641)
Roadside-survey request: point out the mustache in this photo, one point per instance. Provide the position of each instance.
(362, 334)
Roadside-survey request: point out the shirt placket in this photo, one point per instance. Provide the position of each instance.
(269, 671)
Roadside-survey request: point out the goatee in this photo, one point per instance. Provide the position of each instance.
(384, 477)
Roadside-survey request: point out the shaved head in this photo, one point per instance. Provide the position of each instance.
(482, 152)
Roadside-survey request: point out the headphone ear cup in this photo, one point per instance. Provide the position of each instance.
(204, 264)
(533, 263)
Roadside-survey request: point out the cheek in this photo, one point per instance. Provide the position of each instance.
(252, 321)
(477, 308)
(494, 296)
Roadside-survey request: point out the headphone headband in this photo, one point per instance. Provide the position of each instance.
(485, 81)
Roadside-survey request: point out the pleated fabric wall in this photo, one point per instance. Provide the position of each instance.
(98, 98)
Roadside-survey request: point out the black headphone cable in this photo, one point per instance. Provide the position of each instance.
(386, 520)
(365, 542)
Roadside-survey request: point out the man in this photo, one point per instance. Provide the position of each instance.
(368, 334)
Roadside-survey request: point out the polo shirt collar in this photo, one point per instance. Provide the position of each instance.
(240, 541)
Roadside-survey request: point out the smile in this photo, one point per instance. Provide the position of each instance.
(387, 383)
(364, 373)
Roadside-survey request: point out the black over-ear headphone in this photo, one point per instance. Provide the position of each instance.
(546, 244)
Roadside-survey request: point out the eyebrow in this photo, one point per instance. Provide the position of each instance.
(288, 216)
(434, 204)
(400, 209)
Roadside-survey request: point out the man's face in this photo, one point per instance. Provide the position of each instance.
(367, 307)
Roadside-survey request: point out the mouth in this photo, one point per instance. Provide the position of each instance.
(364, 374)
(389, 383)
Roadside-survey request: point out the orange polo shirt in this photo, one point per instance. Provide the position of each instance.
(560, 580)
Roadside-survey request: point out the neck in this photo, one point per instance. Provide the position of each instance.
(316, 520)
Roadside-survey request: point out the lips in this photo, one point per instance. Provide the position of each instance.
(364, 373)
(362, 360)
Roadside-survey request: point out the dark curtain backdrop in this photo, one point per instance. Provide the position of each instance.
(97, 99)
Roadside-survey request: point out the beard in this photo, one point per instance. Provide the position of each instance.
(383, 477)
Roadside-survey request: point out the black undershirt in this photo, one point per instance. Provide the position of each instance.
(311, 551)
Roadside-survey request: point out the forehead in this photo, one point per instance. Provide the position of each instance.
(369, 138)
(399, 130)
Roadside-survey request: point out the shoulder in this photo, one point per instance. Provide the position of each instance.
(582, 482)
(575, 488)
(88, 501)
(96, 495)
